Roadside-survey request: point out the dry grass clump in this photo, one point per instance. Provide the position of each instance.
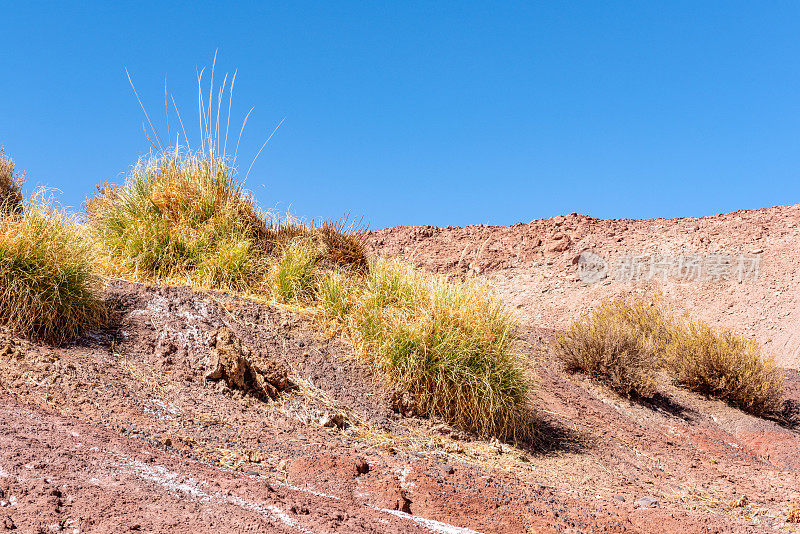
(184, 216)
(48, 290)
(727, 366)
(179, 216)
(617, 344)
(624, 342)
(10, 186)
(447, 345)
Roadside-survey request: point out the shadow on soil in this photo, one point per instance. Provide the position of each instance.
(664, 404)
(552, 437)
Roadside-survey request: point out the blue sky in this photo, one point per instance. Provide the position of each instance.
(442, 113)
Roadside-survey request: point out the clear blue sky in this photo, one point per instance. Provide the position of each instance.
(428, 112)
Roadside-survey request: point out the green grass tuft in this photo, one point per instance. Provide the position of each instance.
(179, 216)
(295, 273)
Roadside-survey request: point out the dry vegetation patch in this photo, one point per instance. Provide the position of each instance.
(184, 216)
(48, 288)
(624, 342)
(725, 365)
(617, 344)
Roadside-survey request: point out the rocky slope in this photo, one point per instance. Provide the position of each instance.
(738, 270)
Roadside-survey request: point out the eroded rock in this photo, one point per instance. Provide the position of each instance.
(232, 361)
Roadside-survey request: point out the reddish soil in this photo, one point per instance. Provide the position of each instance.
(122, 432)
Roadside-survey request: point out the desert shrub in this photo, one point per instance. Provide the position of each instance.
(624, 342)
(179, 216)
(448, 345)
(47, 287)
(341, 245)
(725, 365)
(10, 186)
(617, 344)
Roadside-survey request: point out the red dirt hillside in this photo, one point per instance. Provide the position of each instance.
(129, 429)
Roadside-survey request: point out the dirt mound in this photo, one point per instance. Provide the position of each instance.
(738, 270)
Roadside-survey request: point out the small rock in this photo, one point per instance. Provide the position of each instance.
(362, 467)
(232, 361)
(620, 498)
(495, 446)
(650, 502)
(283, 464)
(252, 473)
(741, 502)
(448, 469)
(404, 403)
(442, 428)
(332, 420)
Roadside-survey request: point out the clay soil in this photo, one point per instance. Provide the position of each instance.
(122, 432)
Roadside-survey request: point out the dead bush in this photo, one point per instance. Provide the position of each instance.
(725, 365)
(615, 344)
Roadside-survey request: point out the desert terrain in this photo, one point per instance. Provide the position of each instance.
(122, 431)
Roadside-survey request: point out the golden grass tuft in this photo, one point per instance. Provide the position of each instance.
(294, 275)
(179, 216)
(10, 186)
(617, 344)
(184, 216)
(447, 345)
(48, 290)
(725, 365)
